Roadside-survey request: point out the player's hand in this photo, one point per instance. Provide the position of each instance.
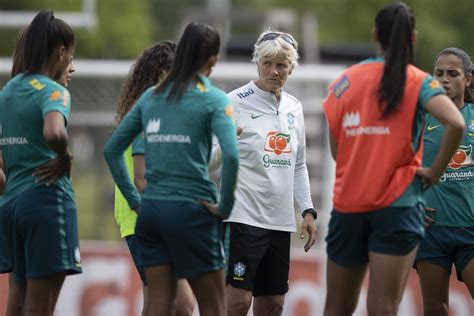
(428, 178)
(3, 182)
(309, 226)
(239, 131)
(136, 209)
(429, 217)
(212, 208)
(54, 169)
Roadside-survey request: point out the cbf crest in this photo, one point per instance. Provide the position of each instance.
(470, 128)
(239, 269)
(291, 119)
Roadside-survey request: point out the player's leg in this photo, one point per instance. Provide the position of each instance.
(271, 280)
(434, 261)
(347, 262)
(248, 245)
(464, 258)
(16, 290)
(343, 286)
(395, 235)
(209, 289)
(153, 255)
(434, 283)
(185, 300)
(388, 277)
(162, 285)
(134, 252)
(42, 294)
(468, 276)
(46, 219)
(16, 297)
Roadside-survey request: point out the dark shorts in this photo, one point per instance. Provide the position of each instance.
(226, 242)
(41, 233)
(391, 231)
(182, 234)
(133, 248)
(259, 259)
(5, 257)
(444, 246)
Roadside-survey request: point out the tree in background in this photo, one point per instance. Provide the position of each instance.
(124, 27)
(439, 23)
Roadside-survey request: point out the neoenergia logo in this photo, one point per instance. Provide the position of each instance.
(351, 119)
(153, 126)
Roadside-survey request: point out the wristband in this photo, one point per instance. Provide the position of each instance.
(310, 211)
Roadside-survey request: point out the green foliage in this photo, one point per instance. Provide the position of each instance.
(440, 23)
(124, 30)
(124, 27)
(167, 15)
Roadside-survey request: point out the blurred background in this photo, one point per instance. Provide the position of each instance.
(111, 34)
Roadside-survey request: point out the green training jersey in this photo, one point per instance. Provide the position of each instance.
(414, 193)
(24, 102)
(125, 217)
(178, 140)
(453, 196)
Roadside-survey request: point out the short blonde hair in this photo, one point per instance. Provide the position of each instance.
(282, 45)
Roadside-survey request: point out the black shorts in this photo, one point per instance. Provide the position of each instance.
(259, 259)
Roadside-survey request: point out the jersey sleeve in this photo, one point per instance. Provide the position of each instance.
(223, 127)
(138, 145)
(55, 98)
(301, 186)
(126, 132)
(429, 88)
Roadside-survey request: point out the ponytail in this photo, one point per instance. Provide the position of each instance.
(198, 43)
(42, 37)
(18, 64)
(395, 24)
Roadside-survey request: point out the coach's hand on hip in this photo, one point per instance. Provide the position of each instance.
(309, 226)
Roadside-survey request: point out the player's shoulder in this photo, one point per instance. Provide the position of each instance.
(213, 94)
(291, 99)
(47, 88)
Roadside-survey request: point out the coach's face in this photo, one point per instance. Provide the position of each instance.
(273, 72)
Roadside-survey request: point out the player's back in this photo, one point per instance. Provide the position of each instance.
(178, 140)
(24, 102)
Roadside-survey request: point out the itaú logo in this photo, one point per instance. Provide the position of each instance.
(278, 142)
(351, 119)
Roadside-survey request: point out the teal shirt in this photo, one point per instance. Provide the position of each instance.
(414, 193)
(138, 145)
(178, 139)
(453, 196)
(24, 102)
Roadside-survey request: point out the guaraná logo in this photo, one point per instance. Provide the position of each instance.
(278, 143)
(461, 158)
